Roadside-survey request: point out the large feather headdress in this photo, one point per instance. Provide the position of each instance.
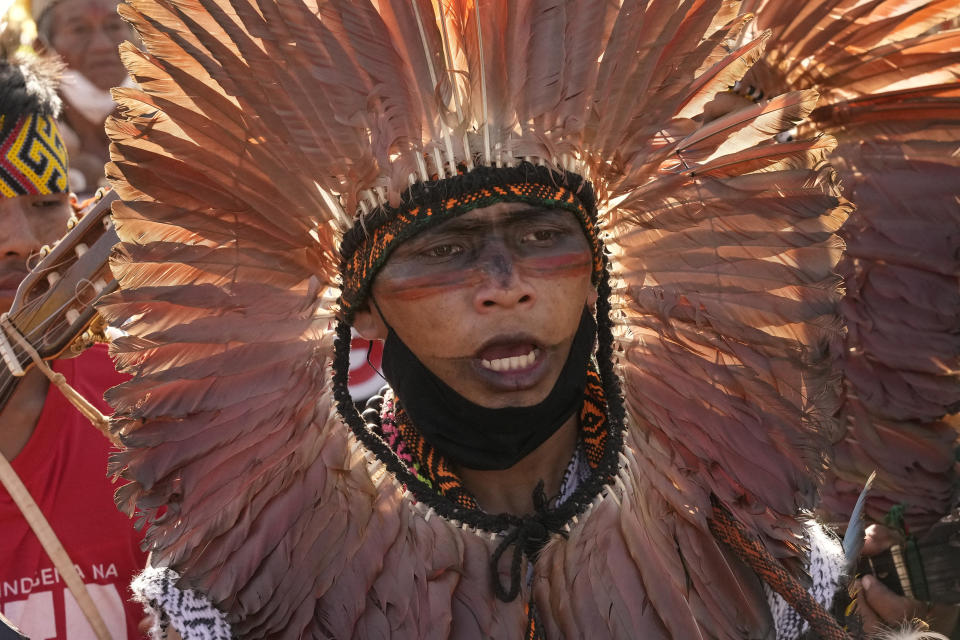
(262, 131)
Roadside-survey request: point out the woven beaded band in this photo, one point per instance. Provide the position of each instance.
(366, 248)
(33, 158)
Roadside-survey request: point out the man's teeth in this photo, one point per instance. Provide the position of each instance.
(514, 363)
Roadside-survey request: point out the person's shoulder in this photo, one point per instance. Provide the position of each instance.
(92, 373)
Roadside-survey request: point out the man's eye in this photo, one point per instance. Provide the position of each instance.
(540, 236)
(47, 204)
(114, 26)
(443, 251)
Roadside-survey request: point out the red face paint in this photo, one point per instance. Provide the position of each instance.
(499, 281)
(488, 250)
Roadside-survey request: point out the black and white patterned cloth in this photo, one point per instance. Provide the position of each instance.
(189, 612)
(826, 573)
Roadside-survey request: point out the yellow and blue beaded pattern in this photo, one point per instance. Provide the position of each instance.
(33, 157)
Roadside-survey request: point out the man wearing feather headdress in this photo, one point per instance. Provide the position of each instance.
(606, 323)
(50, 446)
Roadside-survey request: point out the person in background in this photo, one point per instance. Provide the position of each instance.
(52, 448)
(881, 608)
(85, 34)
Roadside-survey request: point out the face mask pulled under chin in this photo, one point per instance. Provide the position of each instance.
(477, 437)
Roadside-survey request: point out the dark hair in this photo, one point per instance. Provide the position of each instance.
(29, 86)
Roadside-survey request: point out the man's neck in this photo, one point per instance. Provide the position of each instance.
(511, 490)
(19, 416)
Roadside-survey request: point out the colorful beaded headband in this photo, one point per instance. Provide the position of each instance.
(33, 158)
(366, 247)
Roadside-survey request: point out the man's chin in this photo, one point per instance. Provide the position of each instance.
(105, 75)
(499, 390)
(6, 300)
(517, 400)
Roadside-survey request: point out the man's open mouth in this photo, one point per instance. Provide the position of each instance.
(512, 363)
(509, 355)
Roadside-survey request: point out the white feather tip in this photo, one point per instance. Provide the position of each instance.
(915, 630)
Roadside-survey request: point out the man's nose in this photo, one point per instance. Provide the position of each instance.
(503, 285)
(100, 39)
(17, 238)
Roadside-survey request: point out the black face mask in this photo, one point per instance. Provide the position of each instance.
(476, 437)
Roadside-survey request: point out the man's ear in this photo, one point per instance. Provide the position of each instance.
(592, 299)
(369, 324)
(39, 47)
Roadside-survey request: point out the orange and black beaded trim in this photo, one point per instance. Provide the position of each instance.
(368, 246)
(428, 464)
